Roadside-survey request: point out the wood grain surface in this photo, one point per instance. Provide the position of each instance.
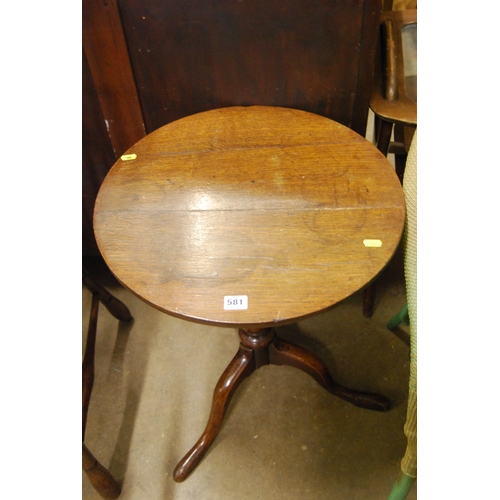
(196, 55)
(265, 202)
(399, 104)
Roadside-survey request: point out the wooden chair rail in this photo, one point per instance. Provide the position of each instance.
(100, 478)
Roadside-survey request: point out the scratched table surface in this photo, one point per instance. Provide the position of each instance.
(249, 216)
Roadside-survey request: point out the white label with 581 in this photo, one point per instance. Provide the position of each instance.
(235, 302)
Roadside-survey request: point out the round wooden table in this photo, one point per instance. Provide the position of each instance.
(249, 217)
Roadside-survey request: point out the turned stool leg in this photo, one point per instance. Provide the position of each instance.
(384, 136)
(116, 307)
(100, 478)
(369, 299)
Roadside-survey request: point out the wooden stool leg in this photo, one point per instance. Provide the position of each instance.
(286, 353)
(376, 128)
(100, 478)
(400, 159)
(116, 307)
(384, 136)
(88, 362)
(240, 367)
(369, 300)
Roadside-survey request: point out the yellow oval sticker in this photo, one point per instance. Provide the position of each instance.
(132, 156)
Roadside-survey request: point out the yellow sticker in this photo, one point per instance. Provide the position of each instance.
(133, 156)
(372, 243)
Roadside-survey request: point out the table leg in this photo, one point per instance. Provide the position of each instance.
(240, 367)
(286, 353)
(259, 348)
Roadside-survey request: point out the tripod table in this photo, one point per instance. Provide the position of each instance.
(250, 217)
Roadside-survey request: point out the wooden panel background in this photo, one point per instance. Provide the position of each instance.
(191, 56)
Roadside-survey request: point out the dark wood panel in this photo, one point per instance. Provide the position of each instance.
(97, 156)
(109, 64)
(191, 56)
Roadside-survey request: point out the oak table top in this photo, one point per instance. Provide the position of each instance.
(289, 209)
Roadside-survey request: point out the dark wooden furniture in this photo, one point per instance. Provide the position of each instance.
(394, 97)
(100, 478)
(151, 62)
(394, 93)
(250, 217)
